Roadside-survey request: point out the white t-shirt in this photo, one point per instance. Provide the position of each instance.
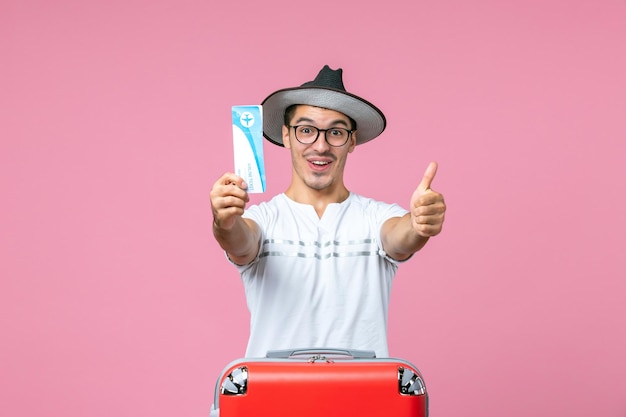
(319, 282)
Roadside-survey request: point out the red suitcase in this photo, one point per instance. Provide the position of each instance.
(320, 383)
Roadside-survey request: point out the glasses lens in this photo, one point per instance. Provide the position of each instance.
(337, 136)
(306, 134)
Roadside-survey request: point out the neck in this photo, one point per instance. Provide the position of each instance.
(319, 199)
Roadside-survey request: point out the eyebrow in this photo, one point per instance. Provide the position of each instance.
(333, 123)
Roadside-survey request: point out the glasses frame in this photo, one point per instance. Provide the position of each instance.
(295, 134)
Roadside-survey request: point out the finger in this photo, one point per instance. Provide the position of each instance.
(229, 190)
(428, 222)
(229, 200)
(428, 177)
(430, 198)
(230, 178)
(428, 230)
(425, 213)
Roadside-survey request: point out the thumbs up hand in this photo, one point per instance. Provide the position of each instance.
(427, 206)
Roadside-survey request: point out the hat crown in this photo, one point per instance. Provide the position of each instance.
(325, 91)
(327, 78)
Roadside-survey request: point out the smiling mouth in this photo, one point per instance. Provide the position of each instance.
(320, 163)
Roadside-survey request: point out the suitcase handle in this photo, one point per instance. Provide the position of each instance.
(348, 353)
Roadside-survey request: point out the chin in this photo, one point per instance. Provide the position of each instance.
(318, 185)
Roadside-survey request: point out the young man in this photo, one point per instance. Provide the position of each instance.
(317, 261)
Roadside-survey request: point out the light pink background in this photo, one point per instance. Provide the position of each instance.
(115, 122)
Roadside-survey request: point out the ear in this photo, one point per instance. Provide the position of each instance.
(286, 137)
(352, 142)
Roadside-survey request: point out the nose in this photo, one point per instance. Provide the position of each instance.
(321, 144)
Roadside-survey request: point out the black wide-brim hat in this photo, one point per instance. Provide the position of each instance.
(325, 91)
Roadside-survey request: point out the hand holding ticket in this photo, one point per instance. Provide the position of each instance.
(248, 146)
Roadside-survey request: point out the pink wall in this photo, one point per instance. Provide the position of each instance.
(114, 123)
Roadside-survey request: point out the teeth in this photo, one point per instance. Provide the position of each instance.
(319, 163)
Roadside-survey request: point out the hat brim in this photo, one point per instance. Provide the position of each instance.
(369, 119)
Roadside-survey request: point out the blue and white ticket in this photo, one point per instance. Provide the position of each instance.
(248, 146)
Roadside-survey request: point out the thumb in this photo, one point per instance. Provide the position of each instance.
(428, 177)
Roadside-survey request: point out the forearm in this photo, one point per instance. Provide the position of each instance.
(400, 239)
(240, 241)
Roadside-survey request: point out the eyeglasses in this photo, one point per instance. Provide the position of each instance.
(335, 136)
